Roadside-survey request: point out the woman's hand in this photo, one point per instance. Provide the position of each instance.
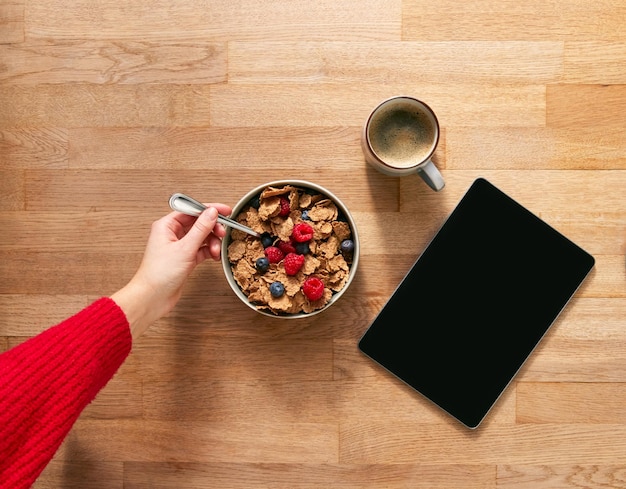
(176, 245)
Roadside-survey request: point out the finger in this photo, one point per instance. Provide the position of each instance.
(223, 209)
(183, 219)
(201, 229)
(214, 246)
(187, 221)
(165, 227)
(219, 230)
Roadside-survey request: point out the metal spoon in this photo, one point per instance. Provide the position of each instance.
(185, 204)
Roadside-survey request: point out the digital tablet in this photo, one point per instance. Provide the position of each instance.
(476, 303)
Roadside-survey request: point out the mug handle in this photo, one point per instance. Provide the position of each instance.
(431, 176)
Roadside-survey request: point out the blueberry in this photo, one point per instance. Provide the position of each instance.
(277, 289)
(262, 264)
(305, 215)
(302, 248)
(267, 240)
(347, 246)
(255, 201)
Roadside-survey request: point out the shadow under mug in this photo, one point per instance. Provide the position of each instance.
(400, 137)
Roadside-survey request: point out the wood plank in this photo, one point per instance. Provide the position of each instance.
(29, 148)
(105, 62)
(553, 361)
(540, 191)
(80, 105)
(65, 273)
(509, 20)
(559, 475)
(568, 402)
(217, 21)
(121, 398)
(12, 195)
(187, 441)
(143, 475)
(395, 62)
(201, 358)
(593, 318)
(76, 232)
(594, 62)
(292, 401)
(599, 106)
(11, 21)
(545, 444)
(287, 401)
(91, 474)
(608, 279)
(536, 148)
(187, 148)
(383, 398)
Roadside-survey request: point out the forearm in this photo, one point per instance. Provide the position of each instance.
(140, 312)
(46, 382)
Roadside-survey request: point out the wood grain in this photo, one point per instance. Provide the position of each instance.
(534, 20)
(11, 21)
(106, 108)
(41, 62)
(218, 20)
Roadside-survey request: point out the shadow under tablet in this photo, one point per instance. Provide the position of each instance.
(476, 303)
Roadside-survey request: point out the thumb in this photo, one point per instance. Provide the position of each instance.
(201, 228)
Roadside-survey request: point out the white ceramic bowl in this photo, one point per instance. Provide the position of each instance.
(245, 200)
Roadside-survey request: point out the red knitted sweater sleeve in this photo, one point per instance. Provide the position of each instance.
(47, 381)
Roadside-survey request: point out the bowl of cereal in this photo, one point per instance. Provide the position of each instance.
(307, 254)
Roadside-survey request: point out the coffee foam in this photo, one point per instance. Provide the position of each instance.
(401, 135)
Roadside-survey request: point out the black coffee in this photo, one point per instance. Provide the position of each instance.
(402, 135)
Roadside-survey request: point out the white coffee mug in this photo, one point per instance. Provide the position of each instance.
(400, 137)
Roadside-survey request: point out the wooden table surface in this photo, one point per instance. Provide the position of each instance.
(108, 107)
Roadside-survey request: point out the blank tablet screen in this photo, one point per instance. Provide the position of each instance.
(476, 303)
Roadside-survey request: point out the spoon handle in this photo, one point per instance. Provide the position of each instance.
(187, 205)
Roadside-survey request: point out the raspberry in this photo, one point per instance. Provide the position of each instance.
(293, 263)
(286, 247)
(302, 232)
(274, 255)
(313, 288)
(284, 207)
